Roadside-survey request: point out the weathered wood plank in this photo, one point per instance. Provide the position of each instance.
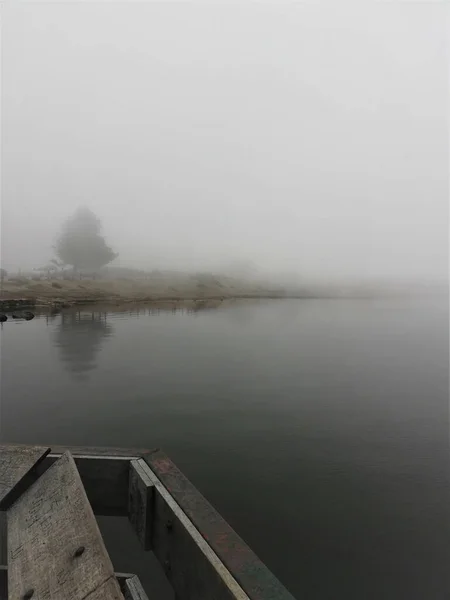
(140, 503)
(252, 575)
(192, 568)
(16, 470)
(103, 451)
(73, 562)
(104, 473)
(131, 586)
(134, 589)
(93, 450)
(3, 583)
(122, 576)
(105, 480)
(109, 590)
(3, 558)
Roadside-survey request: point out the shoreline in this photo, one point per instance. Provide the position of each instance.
(178, 293)
(171, 293)
(172, 303)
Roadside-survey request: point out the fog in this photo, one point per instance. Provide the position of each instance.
(305, 139)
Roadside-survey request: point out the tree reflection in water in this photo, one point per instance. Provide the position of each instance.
(79, 338)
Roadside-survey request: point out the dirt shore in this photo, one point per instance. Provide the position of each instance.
(182, 292)
(175, 291)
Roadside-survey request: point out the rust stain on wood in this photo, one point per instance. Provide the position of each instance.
(253, 576)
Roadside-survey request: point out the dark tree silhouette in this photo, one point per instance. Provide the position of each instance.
(80, 243)
(3, 274)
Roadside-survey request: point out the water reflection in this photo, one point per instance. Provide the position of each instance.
(345, 399)
(79, 338)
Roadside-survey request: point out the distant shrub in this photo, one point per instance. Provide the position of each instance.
(207, 279)
(18, 280)
(57, 285)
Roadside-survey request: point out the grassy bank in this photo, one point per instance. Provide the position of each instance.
(181, 290)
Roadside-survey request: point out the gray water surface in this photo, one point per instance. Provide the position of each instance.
(318, 428)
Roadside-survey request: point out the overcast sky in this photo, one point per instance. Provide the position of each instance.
(305, 138)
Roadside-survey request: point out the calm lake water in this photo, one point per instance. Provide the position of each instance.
(318, 429)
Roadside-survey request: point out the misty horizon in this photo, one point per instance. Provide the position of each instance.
(303, 140)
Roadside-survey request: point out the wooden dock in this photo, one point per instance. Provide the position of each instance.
(54, 550)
